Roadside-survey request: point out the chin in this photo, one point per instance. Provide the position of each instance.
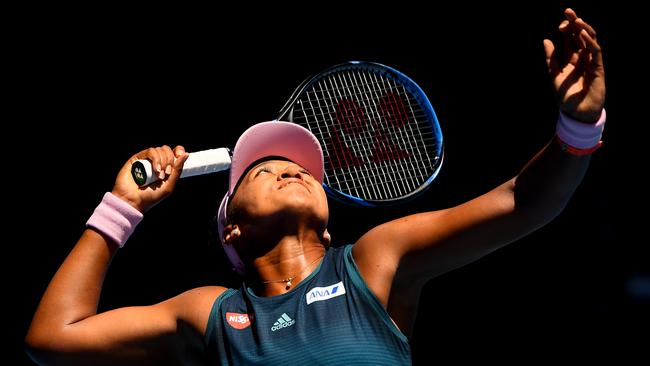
(302, 206)
(299, 204)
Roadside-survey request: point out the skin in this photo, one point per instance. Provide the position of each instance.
(284, 214)
(282, 231)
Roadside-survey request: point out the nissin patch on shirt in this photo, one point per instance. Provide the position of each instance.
(325, 293)
(239, 321)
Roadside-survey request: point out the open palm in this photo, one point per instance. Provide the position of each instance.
(577, 70)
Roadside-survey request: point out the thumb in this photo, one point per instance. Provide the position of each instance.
(177, 167)
(181, 157)
(551, 59)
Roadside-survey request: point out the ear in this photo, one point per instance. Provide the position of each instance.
(230, 233)
(327, 238)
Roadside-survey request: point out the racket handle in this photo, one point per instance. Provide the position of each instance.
(198, 163)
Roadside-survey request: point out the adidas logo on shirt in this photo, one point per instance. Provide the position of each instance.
(284, 321)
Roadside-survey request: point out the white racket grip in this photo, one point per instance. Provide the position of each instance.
(198, 163)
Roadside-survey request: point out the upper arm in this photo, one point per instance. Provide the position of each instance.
(396, 258)
(167, 331)
(421, 246)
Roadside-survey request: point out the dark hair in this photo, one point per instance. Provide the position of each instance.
(232, 212)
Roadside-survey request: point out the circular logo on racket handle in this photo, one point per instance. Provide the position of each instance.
(142, 173)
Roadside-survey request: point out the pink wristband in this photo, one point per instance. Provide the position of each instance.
(580, 135)
(115, 219)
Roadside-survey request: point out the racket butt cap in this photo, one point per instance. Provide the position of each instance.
(142, 172)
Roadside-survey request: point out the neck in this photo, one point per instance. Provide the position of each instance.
(285, 266)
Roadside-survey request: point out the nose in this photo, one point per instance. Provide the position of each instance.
(290, 171)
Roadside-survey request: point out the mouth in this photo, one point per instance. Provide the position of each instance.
(288, 182)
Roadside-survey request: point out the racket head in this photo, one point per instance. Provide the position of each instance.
(380, 135)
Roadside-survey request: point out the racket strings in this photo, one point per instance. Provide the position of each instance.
(377, 139)
(398, 185)
(399, 176)
(326, 99)
(370, 184)
(384, 152)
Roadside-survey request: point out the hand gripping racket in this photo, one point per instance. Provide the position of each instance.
(380, 136)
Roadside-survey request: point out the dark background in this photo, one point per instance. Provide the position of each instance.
(94, 86)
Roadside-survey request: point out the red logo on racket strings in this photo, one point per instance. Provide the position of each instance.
(351, 119)
(239, 321)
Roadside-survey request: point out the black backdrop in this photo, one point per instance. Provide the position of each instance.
(95, 88)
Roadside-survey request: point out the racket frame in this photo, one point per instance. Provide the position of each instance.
(286, 114)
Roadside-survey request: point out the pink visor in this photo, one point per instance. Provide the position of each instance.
(274, 138)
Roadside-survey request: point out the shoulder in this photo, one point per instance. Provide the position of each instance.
(202, 292)
(198, 298)
(194, 306)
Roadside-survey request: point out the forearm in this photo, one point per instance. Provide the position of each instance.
(73, 293)
(547, 182)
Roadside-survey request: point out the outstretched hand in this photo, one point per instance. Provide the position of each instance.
(166, 163)
(577, 70)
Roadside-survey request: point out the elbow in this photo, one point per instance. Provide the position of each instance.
(540, 214)
(36, 347)
(41, 346)
(545, 215)
(539, 208)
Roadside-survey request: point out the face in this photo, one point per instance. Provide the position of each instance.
(277, 190)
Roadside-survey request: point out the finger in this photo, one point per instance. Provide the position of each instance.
(578, 40)
(594, 48)
(179, 151)
(167, 155)
(572, 44)
(583, 25)
(159, 167)
(570, 14)
(572, 25)
(568, 54)
(153, 156)
(564, 26)
(167, 158)
(570, 22)
(551, 60)
(180, 161)
(176, 172)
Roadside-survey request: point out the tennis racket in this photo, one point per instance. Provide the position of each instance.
(380, 136)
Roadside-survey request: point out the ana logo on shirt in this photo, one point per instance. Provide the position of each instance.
(325, 293)
(239, 321)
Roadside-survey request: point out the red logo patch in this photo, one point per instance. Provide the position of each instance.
(239, 321)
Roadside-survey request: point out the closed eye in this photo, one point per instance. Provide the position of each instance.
(262, 169)
(305, 172)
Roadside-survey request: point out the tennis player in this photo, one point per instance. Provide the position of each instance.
(303, 302)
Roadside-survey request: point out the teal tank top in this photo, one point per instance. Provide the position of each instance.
(330, 318)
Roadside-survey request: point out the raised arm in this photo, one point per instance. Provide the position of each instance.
(66, 328)
(397, 257)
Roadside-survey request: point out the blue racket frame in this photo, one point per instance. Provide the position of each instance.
(286, 114)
